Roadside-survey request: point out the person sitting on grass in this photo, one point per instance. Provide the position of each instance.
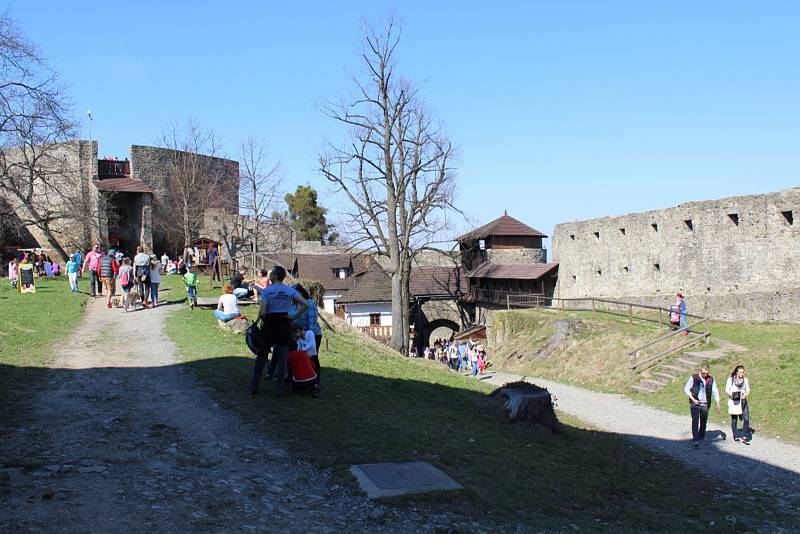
(227, 306)
(241, 286)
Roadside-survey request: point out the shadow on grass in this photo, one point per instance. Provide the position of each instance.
(588, 478)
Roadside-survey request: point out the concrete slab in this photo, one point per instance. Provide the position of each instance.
(392, 479)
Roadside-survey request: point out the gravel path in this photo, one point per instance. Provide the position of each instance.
(767, 464)
(123, 439)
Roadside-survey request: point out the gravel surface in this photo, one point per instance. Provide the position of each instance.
(123, 439)
(767, 464)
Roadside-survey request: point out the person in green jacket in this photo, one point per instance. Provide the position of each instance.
(190, 280)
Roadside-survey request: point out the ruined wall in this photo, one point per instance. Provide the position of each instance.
(736, 257)
(66, 193)
(152, 166)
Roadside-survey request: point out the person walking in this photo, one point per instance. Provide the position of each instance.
(680, 303)
(700, 388)
(141, 266)
(73, 266)
(155, 280)
(108, 270)
(738, 389)
(79, 260)
(92, 264)
(190, 281)
(13, 272)
(126, 276)
(276, 301)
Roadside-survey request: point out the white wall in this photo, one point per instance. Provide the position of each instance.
(328, 301)
(358, 314)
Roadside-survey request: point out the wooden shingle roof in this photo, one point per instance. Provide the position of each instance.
(530, 271)
(504, 225)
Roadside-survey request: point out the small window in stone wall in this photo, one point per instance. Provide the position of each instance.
(689, 224)
(572, 236)
(599, 272)
(788, 216)
(654, 226)
(656, 266)
(625, 269)
(574, 278)
(622, 231)
(734, 217)
(597, 235)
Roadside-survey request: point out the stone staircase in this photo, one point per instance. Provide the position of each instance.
(680, 365)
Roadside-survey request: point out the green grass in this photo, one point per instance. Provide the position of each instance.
(772, 364)
(377, 406)
(31, 326)
(597, 358)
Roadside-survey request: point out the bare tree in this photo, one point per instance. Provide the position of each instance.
(259, 189)
(196, 180)
(395, 170)
(36, 178)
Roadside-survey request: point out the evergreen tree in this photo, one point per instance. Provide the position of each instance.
(306, 217)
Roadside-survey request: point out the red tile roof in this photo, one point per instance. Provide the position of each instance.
(122, 185)
(503, 225)
(530, 271)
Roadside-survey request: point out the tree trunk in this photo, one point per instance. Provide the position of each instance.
(398, 335)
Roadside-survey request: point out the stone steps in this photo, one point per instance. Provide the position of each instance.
(665, 372)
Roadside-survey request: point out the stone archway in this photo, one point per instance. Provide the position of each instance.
(437, 324)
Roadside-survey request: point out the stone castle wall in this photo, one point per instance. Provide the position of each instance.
(67, 192)
(522, 256)
(734, 258)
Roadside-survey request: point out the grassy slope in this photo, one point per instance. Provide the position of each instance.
(377, 406)
(30, 325)
(597, 358)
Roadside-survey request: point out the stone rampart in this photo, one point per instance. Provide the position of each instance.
(734, 258)
(521, 256)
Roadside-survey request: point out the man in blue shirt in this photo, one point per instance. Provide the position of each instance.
(276, 301)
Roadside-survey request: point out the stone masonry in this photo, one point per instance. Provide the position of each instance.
(735, 258)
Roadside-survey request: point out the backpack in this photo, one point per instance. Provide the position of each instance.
(124, 279)
(255, 339)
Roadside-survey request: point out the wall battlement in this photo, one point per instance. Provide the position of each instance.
(736, 257)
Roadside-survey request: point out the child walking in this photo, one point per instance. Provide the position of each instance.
(190, 281)
(73, 266)
(126, 282)
(13, 272)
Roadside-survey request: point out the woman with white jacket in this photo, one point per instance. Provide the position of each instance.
(738, 389)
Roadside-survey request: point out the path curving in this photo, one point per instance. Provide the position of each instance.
(124, 439)
(767, 464)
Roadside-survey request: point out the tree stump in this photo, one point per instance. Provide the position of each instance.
(527, 402)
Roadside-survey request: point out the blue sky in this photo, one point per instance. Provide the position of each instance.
(561, 110)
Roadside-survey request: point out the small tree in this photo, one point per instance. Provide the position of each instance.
(395, 170)
(259, 185)
(195, 181)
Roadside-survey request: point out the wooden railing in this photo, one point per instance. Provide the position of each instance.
(502, 296)
(378, 333)
(697, 330)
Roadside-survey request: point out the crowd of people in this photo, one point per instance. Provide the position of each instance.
(457, 356)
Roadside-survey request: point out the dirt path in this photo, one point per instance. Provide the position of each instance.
(767, 464)
(123, 439)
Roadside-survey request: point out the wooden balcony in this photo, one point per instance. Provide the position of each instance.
(514, 298)
(378, 333)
